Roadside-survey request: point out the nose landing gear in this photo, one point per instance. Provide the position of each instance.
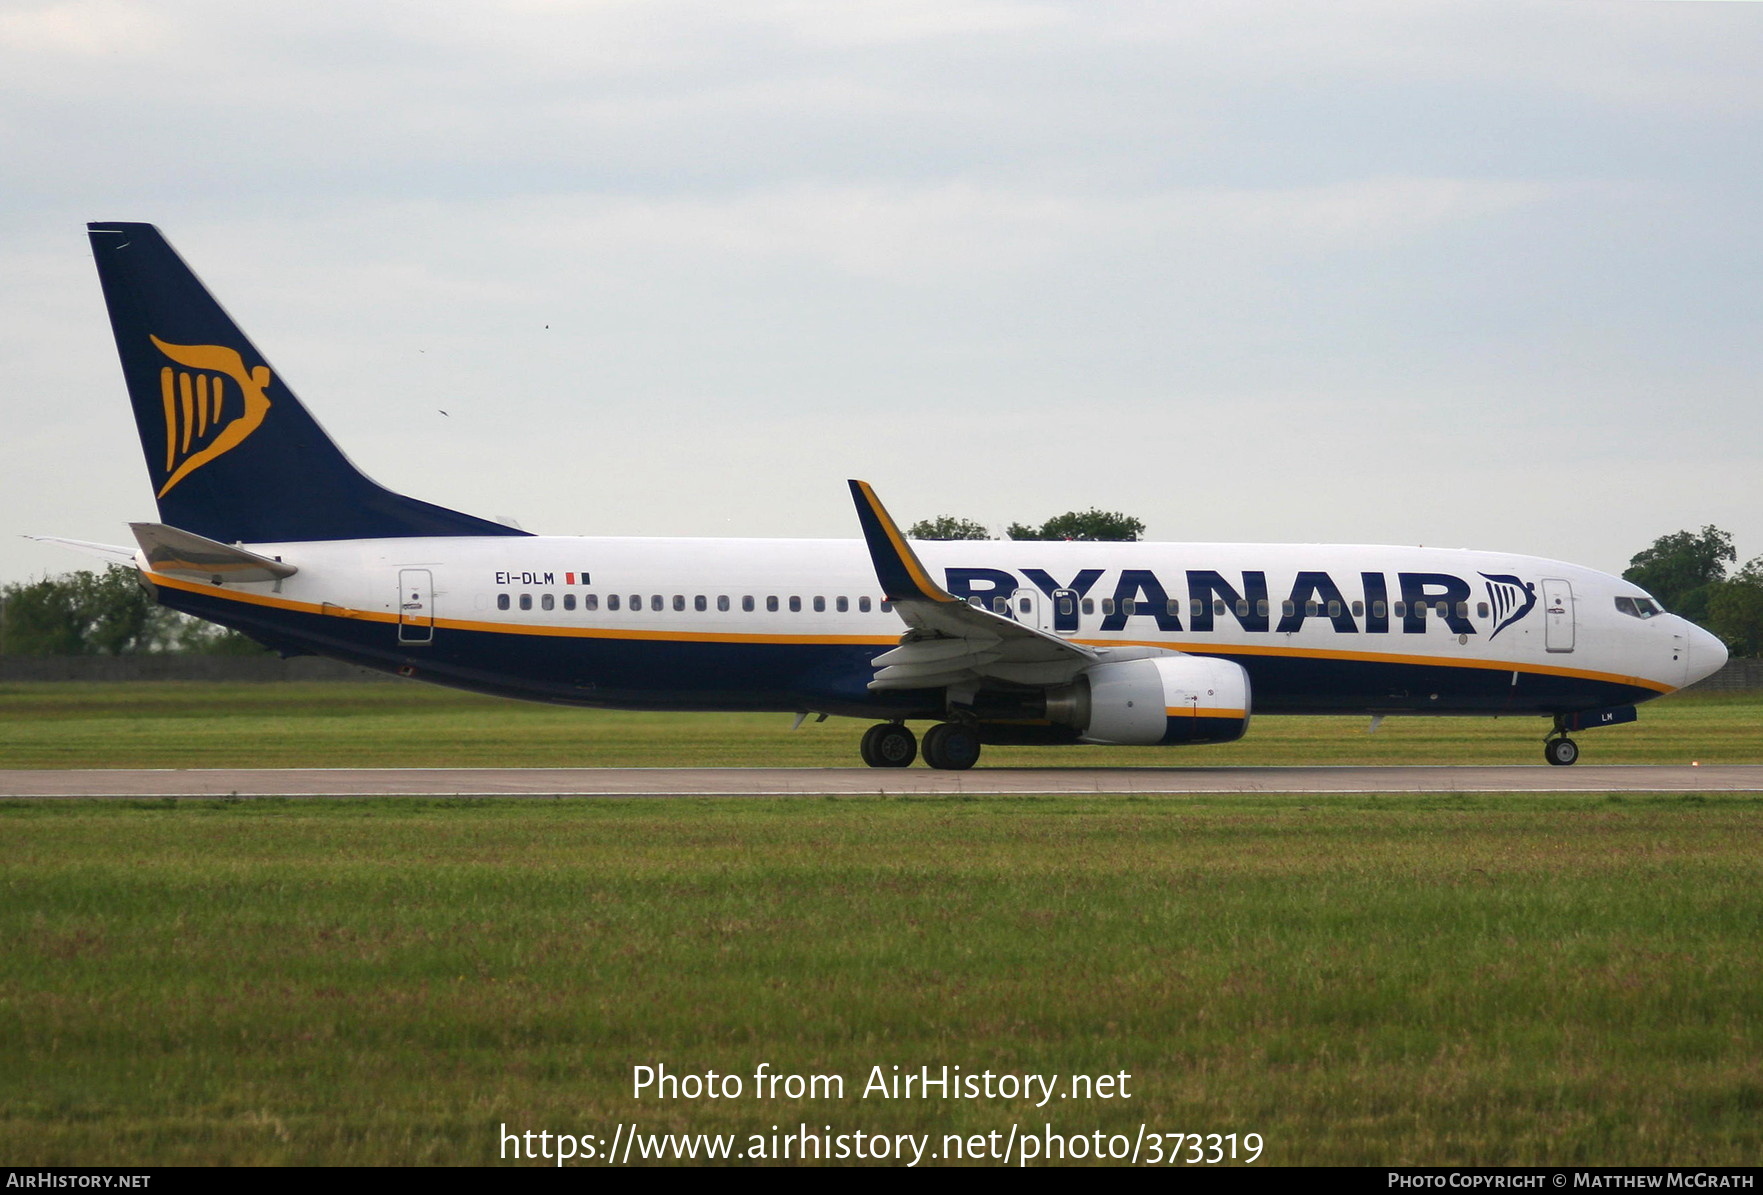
(1560, 750)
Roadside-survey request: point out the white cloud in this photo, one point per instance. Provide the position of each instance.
(1342, 263)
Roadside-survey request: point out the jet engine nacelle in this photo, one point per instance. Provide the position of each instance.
(1163, 699)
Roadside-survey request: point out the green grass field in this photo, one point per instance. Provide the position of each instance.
(1370, 980)
(1401, 980)
(414, 725)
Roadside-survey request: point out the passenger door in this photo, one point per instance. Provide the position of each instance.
(1557, 615)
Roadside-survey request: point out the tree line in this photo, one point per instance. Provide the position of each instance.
(1076, 524)
(104, 614)
(110, 614)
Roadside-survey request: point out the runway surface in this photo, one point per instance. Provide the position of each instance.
(755, 782)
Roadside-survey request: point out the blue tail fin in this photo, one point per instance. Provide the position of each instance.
(232, 453)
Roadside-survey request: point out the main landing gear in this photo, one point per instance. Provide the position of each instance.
(949, 746)
(888, 745)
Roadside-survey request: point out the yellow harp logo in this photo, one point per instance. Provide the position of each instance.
(204, 417)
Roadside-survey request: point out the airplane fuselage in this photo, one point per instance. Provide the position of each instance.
(794, 624)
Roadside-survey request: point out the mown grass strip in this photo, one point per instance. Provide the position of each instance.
(1447, 980)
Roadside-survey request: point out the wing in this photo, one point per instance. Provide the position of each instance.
(949, 641)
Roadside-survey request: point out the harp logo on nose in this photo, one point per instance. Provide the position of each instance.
(211, 405)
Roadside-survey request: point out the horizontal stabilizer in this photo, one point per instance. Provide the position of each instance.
(115, 553)
(186, 554)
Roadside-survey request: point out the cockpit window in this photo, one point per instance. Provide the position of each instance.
(1642, 607)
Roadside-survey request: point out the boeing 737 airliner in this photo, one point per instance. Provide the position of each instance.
(266, 527)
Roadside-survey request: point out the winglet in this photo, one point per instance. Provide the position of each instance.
(903, 578)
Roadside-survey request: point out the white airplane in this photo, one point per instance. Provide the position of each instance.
(266, 527)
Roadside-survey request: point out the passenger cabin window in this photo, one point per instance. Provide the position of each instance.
(771, 604)
(679, 602)
(1089, 605)
(569, 601)
(1027, 606)
(863, 605)
(502, 601)
(842, 604)
(747, 604)
(547, 602)
(655, 602)
(591, 602)
(820, 605)
(795, 604)
(526, 601)
(612, 601)
(722, 602)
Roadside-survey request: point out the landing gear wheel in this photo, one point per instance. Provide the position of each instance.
(951, 746)
(888, 745)
(1561, 752)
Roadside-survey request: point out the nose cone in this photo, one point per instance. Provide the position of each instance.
(1707, 655)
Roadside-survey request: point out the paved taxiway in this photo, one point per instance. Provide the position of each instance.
(753, 782)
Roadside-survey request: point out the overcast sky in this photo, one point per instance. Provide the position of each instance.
(1461, 274)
